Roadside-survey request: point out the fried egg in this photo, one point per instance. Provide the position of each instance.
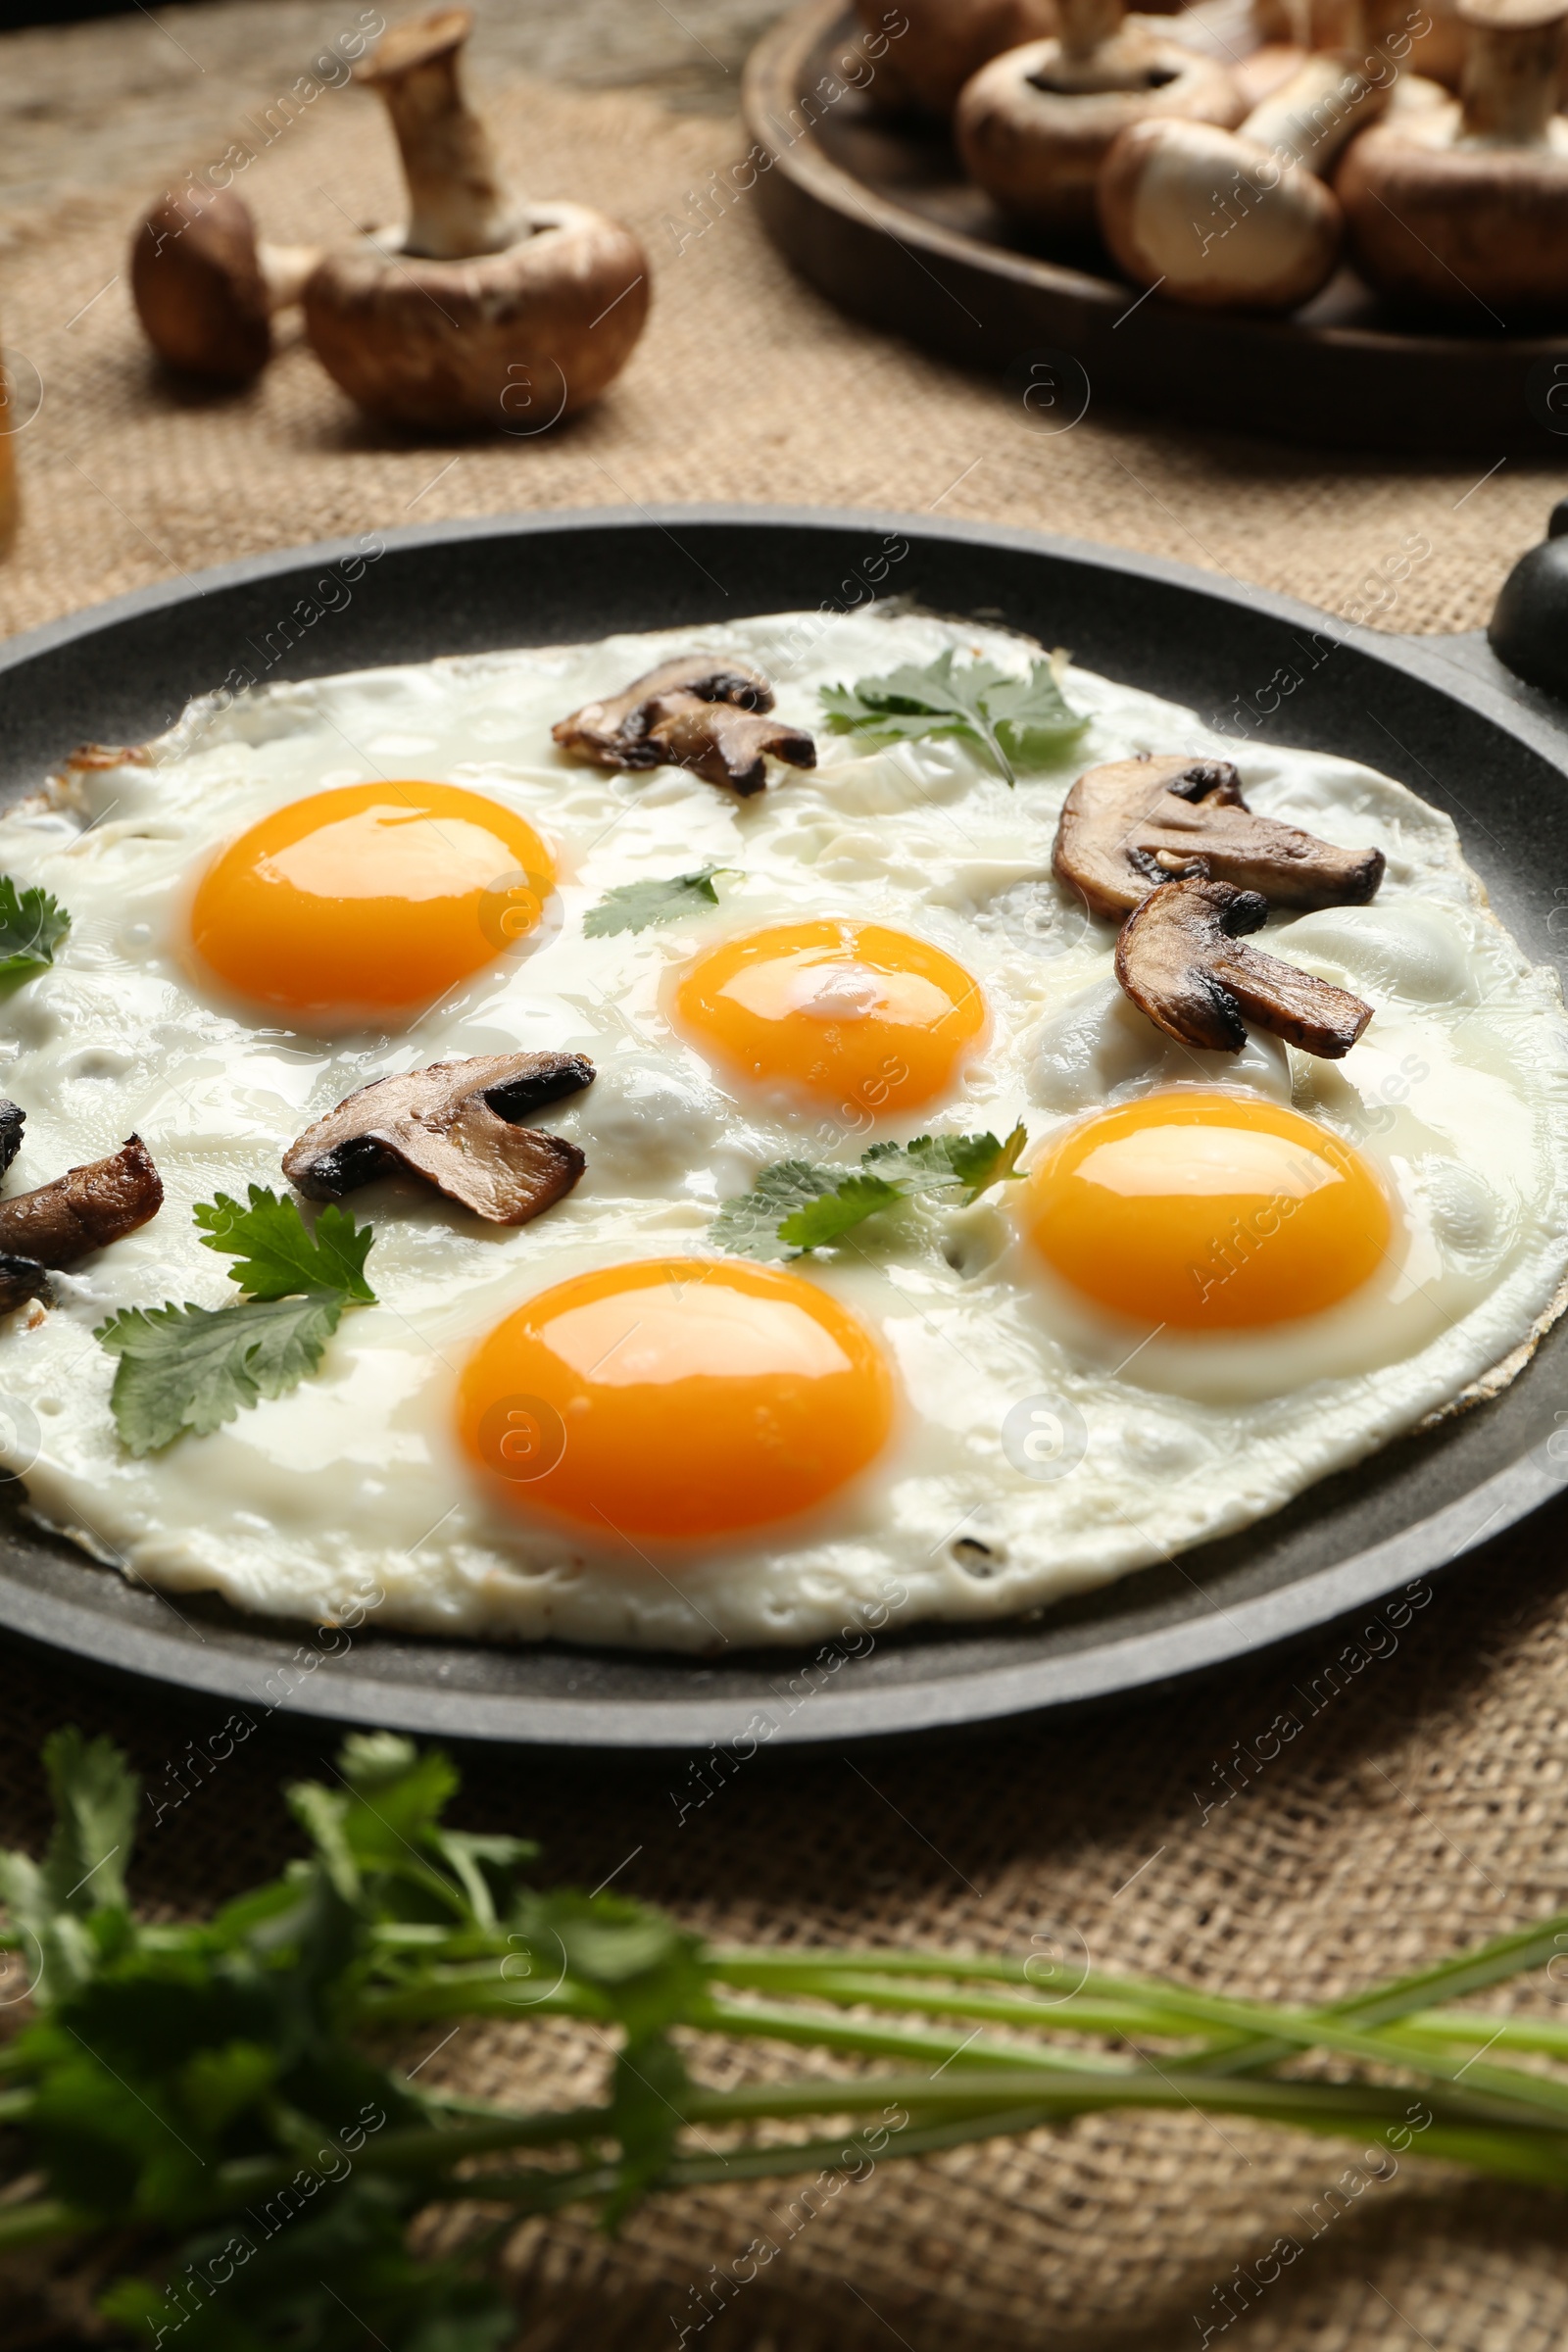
(1219, 1278)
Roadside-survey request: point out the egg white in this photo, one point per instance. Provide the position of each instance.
(350, 1495)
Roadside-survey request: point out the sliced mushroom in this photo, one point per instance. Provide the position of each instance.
(1178, 959)
(20, 1279)
(693, 712)
(458, 1124)
(483, 309)
(205, 287)
(13, 1118)
(85, 1209)
(1133, 824)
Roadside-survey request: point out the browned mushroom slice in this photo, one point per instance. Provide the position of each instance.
(726, 746)
(1178, 959)
(693, 712)
(13, 1118)
(20, 1279)
(457, 1125)
(86, 1209)
(1129, 826)
(614, 732)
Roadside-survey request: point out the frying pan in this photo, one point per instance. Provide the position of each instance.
(1439, 713)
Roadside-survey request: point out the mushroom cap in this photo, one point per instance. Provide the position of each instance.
(1273, 247)
(1454, 228)
(1037, 149)
(196, 279)
(513, 341)
(945, 41)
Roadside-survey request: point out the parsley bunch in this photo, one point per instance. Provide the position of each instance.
(195, 1367)
(205, 2113)
(1014, 719)
(795, 1206)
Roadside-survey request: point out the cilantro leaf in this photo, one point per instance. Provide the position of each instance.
(933, 1161)
(83, 1870)
(278, 1255)
(31, 927)
(839, 1212)
(1011, 718)
(794, 1207)
(749, 1226)
(639, 906)
(195, 1367)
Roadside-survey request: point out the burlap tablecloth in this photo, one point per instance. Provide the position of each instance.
(1423, 1805)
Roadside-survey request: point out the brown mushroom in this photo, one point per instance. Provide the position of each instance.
(695, 712)
(1134, 824)
(944, 42)
(13, 1119)
(1464, 207)
(20, 1279)
(457, 1124)
(85, 1209)
(1178, 958)
(481, 310)
(205, 288)
(1035, 126)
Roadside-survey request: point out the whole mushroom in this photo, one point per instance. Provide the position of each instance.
(482, 311)
(1239, 219)
(944, 42)
(205, 287)
(1035, 126)
(1465, 205)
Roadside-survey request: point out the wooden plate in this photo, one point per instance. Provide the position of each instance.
(877, 213)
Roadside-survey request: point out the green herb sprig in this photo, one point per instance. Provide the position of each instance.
(195, 1367)
(31, 927)
(795, 1207)
(639, 906)
(208, 2108)
(1014, 721)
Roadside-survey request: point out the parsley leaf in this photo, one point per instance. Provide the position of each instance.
(194, 1367)
(31, 927)
(278, 1256)
(637, 906)
(749, 1226)
(1012, 718)
(794, 1207)
(932, 1161)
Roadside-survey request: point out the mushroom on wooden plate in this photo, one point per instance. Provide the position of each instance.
(943, 42)
(206, 288)
(1239, 219)
(1463, 208)
(1033, 125)
(481, 310)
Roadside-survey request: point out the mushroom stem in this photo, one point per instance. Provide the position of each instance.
(1313, 116)
(457, 206)
(1509, 90)
(284, 269)
(1082, 24)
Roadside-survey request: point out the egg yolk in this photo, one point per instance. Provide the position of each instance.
(1203, 1212)
(679, 1397)
(849, 1014)
(374, 899)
